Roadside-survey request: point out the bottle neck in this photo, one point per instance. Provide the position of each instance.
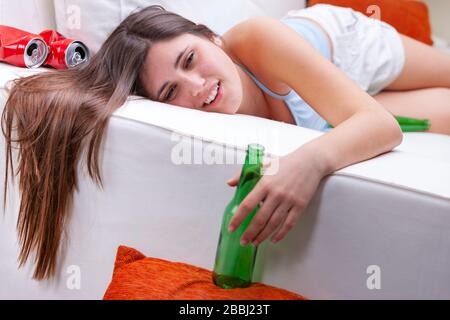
(249, 178)
(251, 171)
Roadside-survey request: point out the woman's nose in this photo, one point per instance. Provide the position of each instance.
(197, 85)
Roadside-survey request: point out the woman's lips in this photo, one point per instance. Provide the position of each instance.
(218, 98)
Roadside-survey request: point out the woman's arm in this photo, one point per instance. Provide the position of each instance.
(363, 128)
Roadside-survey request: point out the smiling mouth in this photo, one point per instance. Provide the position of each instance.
(213, 102)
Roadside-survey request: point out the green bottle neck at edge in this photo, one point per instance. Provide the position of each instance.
(251, 171)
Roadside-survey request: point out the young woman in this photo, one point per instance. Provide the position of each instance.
(338, 61)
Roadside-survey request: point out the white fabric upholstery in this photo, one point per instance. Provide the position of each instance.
(390, 211)
(99, 18)
(30, 15)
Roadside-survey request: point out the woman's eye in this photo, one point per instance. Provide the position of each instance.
(188, 63)
(169, 94)
(189, 60)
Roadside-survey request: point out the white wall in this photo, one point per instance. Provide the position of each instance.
(279, 7)
(440, 17)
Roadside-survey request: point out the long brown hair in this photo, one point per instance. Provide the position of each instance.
(54, 115)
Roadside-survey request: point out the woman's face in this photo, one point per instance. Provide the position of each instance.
(186, 70)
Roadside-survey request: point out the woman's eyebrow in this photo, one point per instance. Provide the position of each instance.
(176, 65)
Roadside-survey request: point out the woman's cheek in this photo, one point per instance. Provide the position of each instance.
(183, 103)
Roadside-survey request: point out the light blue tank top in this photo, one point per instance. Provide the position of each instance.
(304, 115)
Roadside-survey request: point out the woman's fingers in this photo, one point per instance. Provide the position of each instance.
(247, 205)
(288, 224)
(235, 180)
(274, 222)
(260, 220)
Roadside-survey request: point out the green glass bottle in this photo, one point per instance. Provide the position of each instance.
(410, 124)
(234, 263)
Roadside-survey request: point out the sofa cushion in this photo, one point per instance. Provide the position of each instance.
(30, 15)
(410, 18)
(98, 18)
(136, 277)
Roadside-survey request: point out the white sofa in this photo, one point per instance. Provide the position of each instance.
(390, 214)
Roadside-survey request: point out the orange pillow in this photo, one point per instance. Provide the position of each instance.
(136, 277)
(409, 17)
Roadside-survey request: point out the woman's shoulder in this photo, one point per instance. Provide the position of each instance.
(240, 36)
(240, 43)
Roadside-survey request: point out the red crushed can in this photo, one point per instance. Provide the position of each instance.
(64, 53)
(21, 48)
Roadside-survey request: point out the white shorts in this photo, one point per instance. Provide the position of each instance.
(369, 51)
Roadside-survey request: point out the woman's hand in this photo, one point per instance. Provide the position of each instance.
(285, 194)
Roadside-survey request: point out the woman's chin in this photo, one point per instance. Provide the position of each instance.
(229, 110)
(232, 107)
